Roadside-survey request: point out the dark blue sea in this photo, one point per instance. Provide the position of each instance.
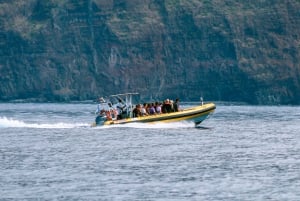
(49, 152)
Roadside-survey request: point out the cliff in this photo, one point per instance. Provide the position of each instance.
(61, 50)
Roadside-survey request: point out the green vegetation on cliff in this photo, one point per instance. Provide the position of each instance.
(61, 50)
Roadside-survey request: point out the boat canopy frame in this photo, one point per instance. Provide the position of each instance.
(126, 98)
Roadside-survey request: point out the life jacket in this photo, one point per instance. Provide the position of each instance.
(113, 113)
(108, 115)
(102, 112)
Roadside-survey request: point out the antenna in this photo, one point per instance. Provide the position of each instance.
(201, 100)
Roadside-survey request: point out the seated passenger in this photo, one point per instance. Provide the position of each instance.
(167, 108)
(163, 107)
(143, 109)
(152, 109)
(158, 108)
(136, 111)
(147, 107)
(113, 111)
(176, 105)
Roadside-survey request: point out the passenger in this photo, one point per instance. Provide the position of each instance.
(164, 107)
(168, 106)
(143, 110)
(176, 105)
(152, 109)
(158, 108)
(136, 111)
(147, 107)
(172, 107)
(121, 108)
(101, 107)
(113, 112)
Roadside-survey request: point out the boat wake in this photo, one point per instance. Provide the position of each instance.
(172, 125)
(12, 123)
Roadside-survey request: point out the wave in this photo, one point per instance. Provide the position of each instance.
(12, 123)
(173, 125)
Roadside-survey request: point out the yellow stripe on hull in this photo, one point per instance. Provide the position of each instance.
(191, 114)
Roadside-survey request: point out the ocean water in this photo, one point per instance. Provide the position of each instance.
(49, 152)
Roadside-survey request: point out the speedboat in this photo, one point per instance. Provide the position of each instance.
(108, 115)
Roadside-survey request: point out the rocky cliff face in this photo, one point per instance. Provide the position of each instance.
(80, 49)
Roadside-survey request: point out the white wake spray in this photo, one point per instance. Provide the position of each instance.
(12, 123)
(158, 125)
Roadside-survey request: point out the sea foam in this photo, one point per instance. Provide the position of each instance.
(13, 123)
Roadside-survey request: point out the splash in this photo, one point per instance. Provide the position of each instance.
(172, 125)
(12, 123)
